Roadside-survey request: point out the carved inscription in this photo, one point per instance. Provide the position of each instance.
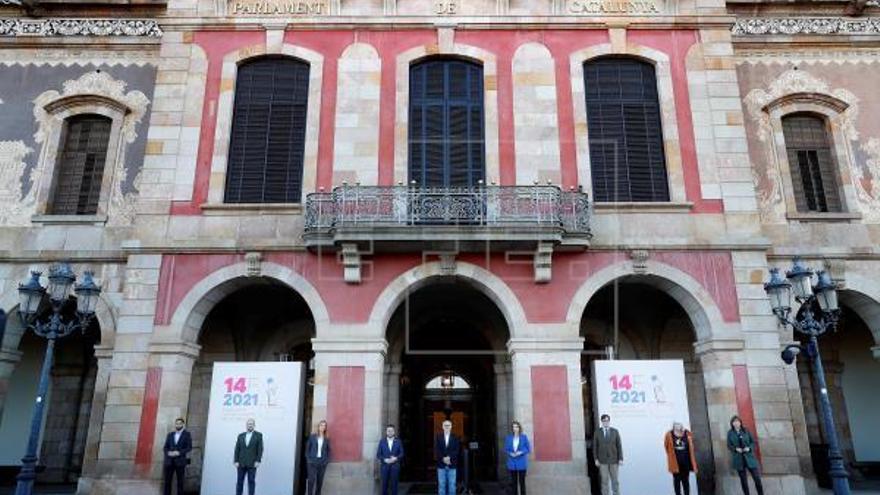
(278, 7)
(593, 7)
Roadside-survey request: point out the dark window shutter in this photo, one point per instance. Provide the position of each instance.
(446, 123)
(81, 165)
(267, 145)
(812, 168)
(625, 136)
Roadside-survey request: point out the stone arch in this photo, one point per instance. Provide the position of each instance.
(481, 279)
(490, 103)
(704, 313)
(668, 118)
(226, 98)
(862, 295)
(535, 115)
(194, 307)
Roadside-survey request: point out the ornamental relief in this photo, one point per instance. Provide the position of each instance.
(78, 95)
(16, 208)
(767, 177)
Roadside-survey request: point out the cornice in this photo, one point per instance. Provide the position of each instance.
(790, 26)
(20, 27)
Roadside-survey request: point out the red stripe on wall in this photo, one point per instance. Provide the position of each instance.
(345, 412)
(143, 457)
(744, 402)
(552, 438)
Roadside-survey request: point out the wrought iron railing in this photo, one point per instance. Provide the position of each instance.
(540, 206)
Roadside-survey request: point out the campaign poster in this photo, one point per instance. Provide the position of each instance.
(643, 399)
(272, 394)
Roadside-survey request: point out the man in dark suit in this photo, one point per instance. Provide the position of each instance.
(446, 449)
(389, 453)
(608, 453)
(178, 444)
(248, 455)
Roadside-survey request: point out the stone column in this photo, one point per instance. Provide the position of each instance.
(875, 351)
(348, 371)
(9, 359)
(503, 396)
(392, 394)
(551, 371)
(104, 356)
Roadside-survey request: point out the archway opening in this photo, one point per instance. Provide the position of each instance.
(65, 425)
(448, 360)
(261, 319)
(851, 372)
(631, 318)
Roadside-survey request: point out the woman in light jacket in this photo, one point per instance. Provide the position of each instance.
(680, 457)
(742, 448)
(517, 447)
(317, 458)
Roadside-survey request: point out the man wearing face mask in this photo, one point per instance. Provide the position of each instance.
(178, 443)
(248, 455)
(609, 455)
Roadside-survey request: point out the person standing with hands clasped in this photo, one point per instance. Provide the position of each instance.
(609, 455)
(680, 457)
(317, 458)
(248, 455)
(389, 453)
(742, 445)
(517, 447)
(446, 449)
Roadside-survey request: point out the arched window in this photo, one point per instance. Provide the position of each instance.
(81, 165)
(813, 178)
(268, 132)
(627, 162)
(446, 135)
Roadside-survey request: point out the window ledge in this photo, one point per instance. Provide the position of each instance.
(823, 216)
(69, 219)
(241, 209)
(644, 207)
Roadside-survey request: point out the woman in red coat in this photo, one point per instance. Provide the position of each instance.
(680, 457)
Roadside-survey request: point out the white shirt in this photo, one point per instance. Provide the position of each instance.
(516, 443)
(320, 446)
(247, 438)
(605, 431)
(391, 444)
(446, 436)
(177, 436)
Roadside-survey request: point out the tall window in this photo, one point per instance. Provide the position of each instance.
(812, 168)
(81, 165)
(268, 132)
(446, 135)
(625, 135)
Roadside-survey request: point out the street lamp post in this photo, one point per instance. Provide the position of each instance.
(61, 279)
(806, 322)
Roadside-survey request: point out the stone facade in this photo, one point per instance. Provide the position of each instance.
(168, 251)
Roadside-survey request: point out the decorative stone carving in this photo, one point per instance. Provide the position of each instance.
(639, 260)
(805, 25)
(94, 89)
(80, 27)
(254, 264)
(543, 263)
(351, 263)
(16, 209)
(868, 185)
(447, 263)
(790, 83)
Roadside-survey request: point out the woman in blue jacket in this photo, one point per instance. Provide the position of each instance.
(517, 447)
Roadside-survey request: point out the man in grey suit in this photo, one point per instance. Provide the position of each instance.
(608, 453)
(248, 455)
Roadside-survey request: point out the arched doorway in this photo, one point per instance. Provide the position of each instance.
(71, 391)
(851, 371)
(258, 319)
(631, 318)
(447, 345)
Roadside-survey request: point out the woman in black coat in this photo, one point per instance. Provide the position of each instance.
(742, 446)
(317, 458)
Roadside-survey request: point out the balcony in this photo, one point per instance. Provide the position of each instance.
(457, 219)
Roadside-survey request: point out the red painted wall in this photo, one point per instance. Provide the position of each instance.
(552, 437)
(143, 457)
(345, 412)
(502, 43)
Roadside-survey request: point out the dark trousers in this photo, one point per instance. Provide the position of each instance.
(744, 480)
(682, 480)
(390, 477)
(251, 473)
(172, 470)
(518, 479)
(315, 478)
